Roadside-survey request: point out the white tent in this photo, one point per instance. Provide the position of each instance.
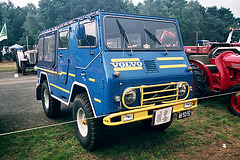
(16, 46)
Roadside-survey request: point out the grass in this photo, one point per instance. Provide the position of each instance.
(7, 66)
(199, 137)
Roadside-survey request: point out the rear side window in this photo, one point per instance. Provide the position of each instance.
(63, 39)
(40, 49)
(49, 48)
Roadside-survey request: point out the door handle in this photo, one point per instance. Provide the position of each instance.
(61, 54)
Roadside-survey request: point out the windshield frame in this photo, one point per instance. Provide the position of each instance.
(154, 19)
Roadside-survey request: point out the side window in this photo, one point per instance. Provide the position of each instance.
(63, 39)
(49, 48)
(40, 49)
(91, 35)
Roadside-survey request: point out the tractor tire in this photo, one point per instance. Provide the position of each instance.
(211, 55)
(24, 68)
(51, 106)
(90, 131)
(233, 100)
(199, 82)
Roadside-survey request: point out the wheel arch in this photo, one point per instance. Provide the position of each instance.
(43, 77)
(79, 88)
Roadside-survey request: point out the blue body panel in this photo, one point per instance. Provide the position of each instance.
(95, 72)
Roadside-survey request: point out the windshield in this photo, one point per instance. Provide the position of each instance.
(140, 34)
(235, 36)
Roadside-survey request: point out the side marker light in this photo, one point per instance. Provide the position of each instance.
(116, 74)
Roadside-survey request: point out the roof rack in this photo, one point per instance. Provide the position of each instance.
(87, 16)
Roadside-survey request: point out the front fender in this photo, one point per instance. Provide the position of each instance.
(205, 70)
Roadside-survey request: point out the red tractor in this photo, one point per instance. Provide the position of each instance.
(218, 74)
(206, 47)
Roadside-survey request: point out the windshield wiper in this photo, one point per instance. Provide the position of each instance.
(154, 38)
(124, 35)
(122, 32)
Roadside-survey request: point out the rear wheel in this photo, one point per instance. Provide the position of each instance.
(233, 100)
(51, 106)
(24, 68)
(199, 82)
(89, 130)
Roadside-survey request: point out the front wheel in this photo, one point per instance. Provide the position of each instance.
(233, 100)
(51, 106)
(89, 130)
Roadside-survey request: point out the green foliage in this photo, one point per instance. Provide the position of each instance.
(211, 23)
(210, 126)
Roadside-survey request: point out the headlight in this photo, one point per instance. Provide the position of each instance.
(130, 96)
(182, 89)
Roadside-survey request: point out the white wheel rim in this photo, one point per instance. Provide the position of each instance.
(83, 127)
(46, 99)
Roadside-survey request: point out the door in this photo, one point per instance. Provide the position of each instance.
(62, 53)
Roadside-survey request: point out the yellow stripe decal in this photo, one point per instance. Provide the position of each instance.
(59, 88)
(62, 73)
(97, 100)
(125, 60)
(128, 69)
(91, 79)
(170, 58)
(46, 70)
(173, 66)
(72, 75)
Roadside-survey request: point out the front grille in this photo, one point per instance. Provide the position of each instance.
(159, 94)
(32, 59)
(150, 65)
(150, 95)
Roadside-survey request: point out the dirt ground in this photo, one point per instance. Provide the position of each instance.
(6, 66)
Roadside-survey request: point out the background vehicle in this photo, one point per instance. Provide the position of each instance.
(25, 59)
(219, 75)
(114, 69)
(207, 47)
(204, 47)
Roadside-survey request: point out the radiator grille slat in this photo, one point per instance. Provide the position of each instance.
(159, 94)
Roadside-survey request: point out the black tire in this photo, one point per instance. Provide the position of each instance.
(51, 106)
(90, 131)
(147, 123)
(199, 82)
(211, 55)
(233, 100)
(24, 68)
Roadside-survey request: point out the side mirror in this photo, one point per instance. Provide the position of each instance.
(80, 31)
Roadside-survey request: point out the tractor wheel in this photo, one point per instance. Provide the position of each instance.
(89, 130)
(51, 106)
(199, 82)
(24, 68)
(233, 100)
(211, 55)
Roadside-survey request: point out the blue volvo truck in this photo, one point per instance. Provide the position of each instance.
(114, 69)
